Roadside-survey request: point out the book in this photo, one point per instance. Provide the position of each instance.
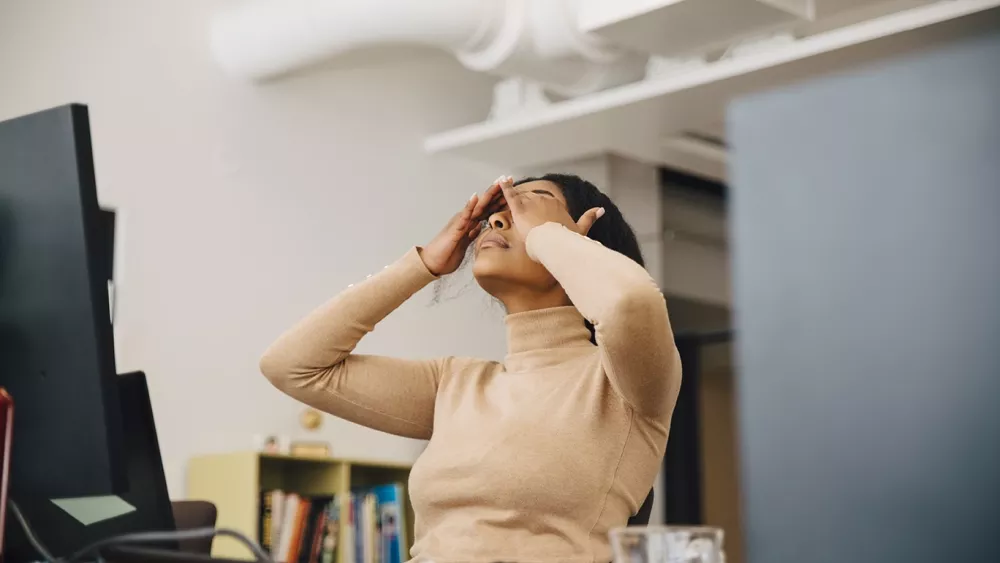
(364, 539)
(367, 525)
(288, 522)
(319, 527)
(332, 531)
(359, 524)
(376, 528)
(298, 530)
(391, 522)
(349, 523)
(269, 519)
(371, 529)
(277, 517)
(310, 530)
(264, 521)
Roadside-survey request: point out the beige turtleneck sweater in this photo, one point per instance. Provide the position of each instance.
(531, 460)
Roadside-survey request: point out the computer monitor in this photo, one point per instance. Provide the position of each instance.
(867, 296)
(66, 526)
(56, 347)
(76, 475)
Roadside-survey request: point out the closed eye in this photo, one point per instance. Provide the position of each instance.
(539, 191)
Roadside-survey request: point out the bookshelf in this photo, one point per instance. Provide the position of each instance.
(234, 481)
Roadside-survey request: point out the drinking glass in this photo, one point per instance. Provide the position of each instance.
(667, 544)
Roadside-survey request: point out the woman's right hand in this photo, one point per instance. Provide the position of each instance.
(445, 253)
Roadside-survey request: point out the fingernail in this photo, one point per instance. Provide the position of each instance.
(600, 212)
(473, 196)
(498, 180)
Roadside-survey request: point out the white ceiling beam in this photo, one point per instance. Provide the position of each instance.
(633, 120)
(266, 39)
(681, 27)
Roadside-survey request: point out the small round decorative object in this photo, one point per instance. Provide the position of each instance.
(311, 419)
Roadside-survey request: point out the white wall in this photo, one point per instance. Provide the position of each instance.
(244, 206)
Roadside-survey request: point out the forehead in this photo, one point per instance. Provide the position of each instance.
(542, 186)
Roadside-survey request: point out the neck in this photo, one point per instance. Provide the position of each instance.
(545, 337)
(525, 300)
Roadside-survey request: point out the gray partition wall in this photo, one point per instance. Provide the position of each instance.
(866, 244)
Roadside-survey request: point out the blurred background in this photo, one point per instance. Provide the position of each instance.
(255, 157)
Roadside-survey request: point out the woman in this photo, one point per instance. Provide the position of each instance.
(538, 457)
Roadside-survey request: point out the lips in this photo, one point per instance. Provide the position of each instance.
(493, 240)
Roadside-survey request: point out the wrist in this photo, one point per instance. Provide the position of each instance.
(428, 265)
(532, 238)
(531, 227)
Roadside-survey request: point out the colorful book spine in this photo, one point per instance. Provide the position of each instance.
(391, 522)
(288, 522)
(371, 531)
(302, 514)
(354, 546)
(319, 529)
(312, 528)
(270, 519)
(264, 523)
(277, 517)
(332, 532)
(358, 527)
(365, 526)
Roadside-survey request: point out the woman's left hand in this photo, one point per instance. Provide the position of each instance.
(529, 210)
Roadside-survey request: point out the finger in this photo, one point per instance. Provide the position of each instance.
(493, 191)
(509, 193)
(470, 205)
(501, 198)
(461, 222)
(487, 199)
(588, 219)
(497, 206)
(475, 231)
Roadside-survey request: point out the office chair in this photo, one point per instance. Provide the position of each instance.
(191, 514)
(641, 517)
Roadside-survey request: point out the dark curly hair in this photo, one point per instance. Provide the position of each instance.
(611, 230)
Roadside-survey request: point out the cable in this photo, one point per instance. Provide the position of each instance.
(134, 538)
(154, 537)
(29, 533)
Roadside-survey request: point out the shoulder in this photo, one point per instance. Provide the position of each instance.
(459, 375)
(459, 366)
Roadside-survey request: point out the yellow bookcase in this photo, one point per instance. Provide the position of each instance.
(234, 481)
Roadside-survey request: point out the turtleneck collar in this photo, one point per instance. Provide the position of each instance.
(537, 339)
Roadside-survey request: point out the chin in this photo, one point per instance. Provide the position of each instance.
(500, 272)
(490, 264)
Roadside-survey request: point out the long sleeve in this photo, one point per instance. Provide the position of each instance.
(627, 309)
(313, 362)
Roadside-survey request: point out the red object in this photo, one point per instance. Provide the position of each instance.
(6, 437)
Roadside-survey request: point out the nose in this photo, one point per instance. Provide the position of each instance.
(500, 220)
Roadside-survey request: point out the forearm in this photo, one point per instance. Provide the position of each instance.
(330, 333)
(627, 309)
(313, 361)
(601, 283)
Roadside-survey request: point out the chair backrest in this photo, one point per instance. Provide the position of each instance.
(192, 514)
(641, 517)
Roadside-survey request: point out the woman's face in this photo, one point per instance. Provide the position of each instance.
(501, 263)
